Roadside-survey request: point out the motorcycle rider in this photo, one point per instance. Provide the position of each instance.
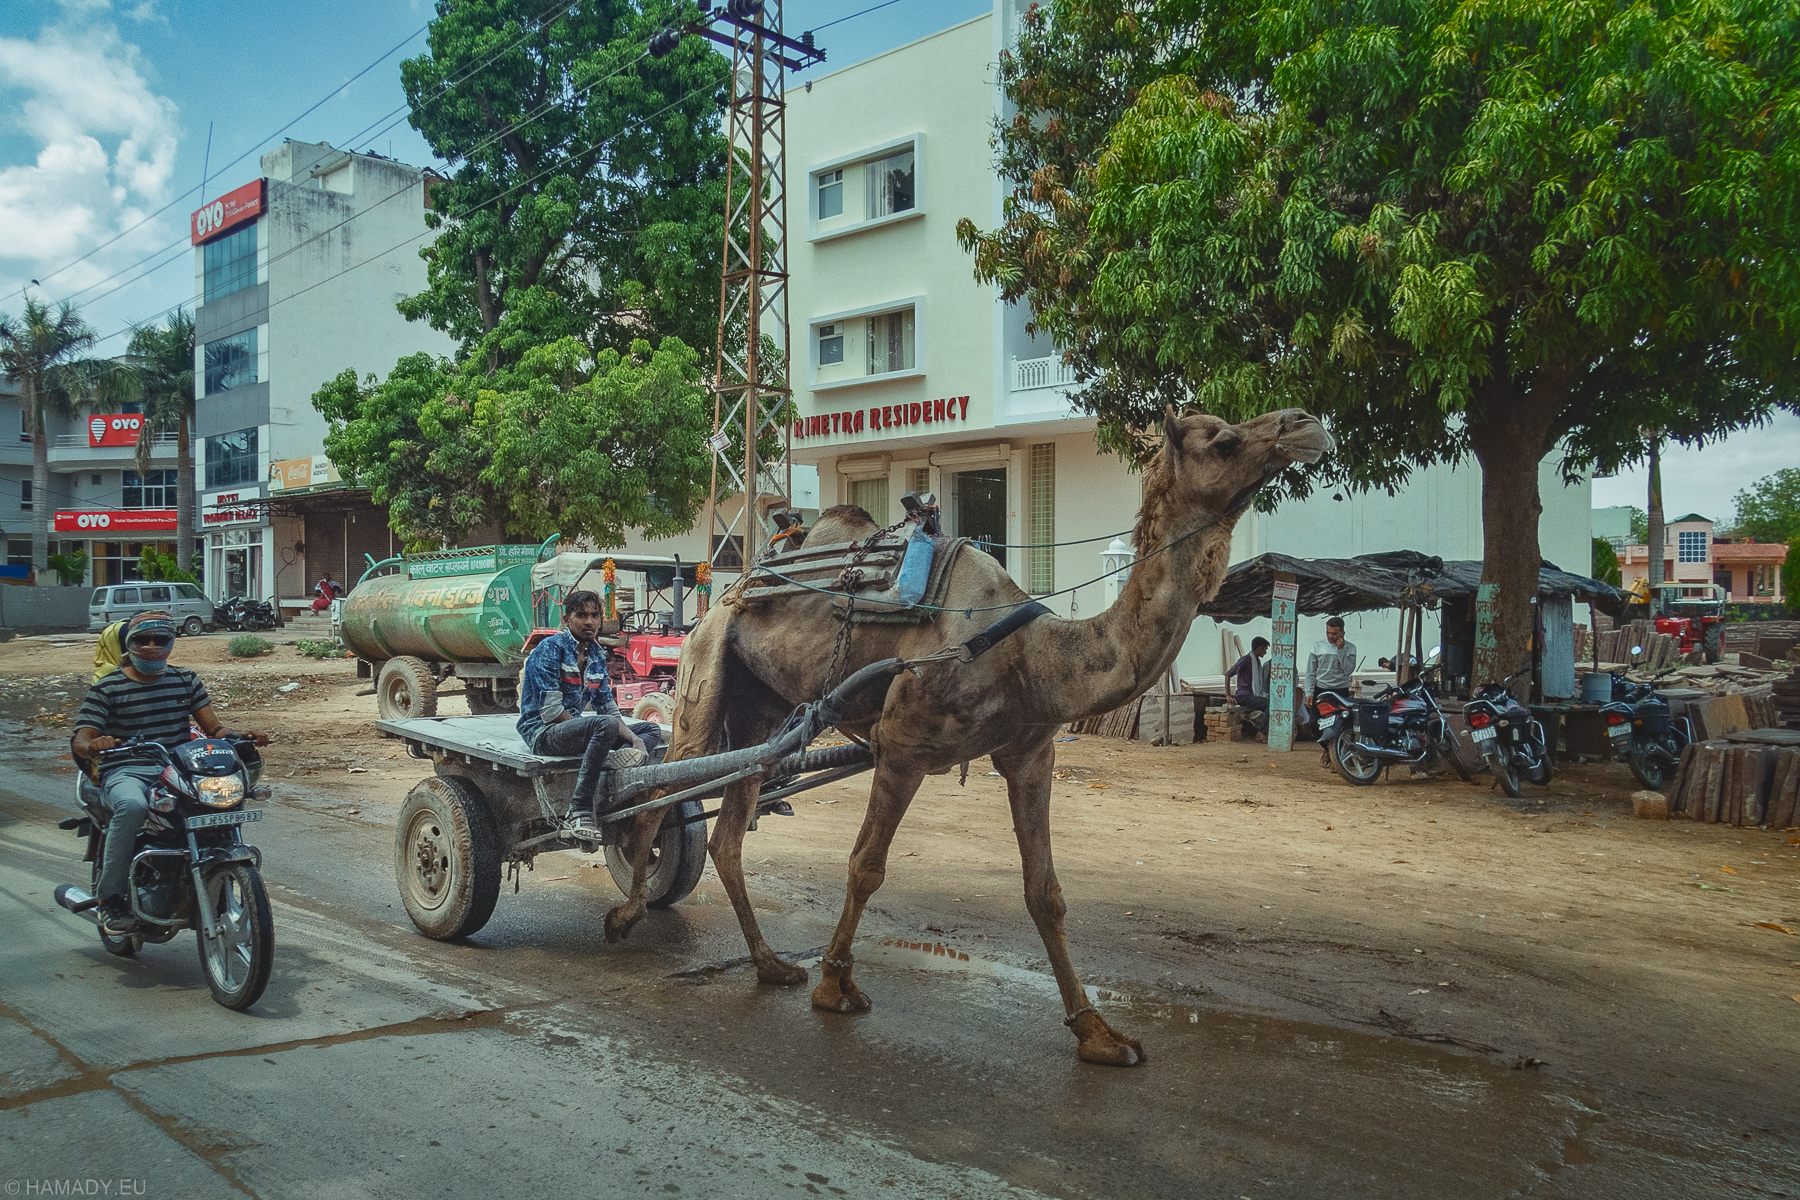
(564, 678)
(147, 697)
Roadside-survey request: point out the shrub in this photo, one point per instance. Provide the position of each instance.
(248, 645)
(69, 568)
(321, 648)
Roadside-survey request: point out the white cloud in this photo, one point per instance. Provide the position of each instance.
(1707, 480)
(105, 152)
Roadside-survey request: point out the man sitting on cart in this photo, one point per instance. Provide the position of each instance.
(566, 706)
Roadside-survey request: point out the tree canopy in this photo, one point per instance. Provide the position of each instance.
(588, 200)
(163, 357)
(1450, 227)
(567, 440)
(1769, 509)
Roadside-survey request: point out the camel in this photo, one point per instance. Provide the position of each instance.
(747, 665)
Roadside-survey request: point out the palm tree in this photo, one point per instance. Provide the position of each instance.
(164, 360)
(43, 350)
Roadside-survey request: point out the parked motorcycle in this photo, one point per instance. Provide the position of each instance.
(1400, 725)
(1509, 738)
(190, 866)
(239, 614)
(1640, 729)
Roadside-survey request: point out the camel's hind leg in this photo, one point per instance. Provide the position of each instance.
(638, 844)
(889, 795)
(1028, 774)
(727, 847)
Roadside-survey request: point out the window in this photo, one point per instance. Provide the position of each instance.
(18, 552)
(25, 495)
(230, 263)
(1040, 519)
(188, 591)
(918, 480)
(890, 184)
(831, 344)
(1691, 546)
(124, 595)
(156, 595)
(155, 490)
(231, 458)
(728, 551)
(231, 362)
(831, 194)
(871, 495)
(891, 342)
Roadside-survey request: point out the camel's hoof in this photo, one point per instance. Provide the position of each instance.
(840, 996)
(781, 974)
(1108, 1049)
(618, 924)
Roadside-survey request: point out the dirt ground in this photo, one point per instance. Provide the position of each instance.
(1551, 933)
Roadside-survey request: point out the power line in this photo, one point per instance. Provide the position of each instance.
(865, 12)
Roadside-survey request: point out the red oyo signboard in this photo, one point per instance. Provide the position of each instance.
(114, 429)
(233, 208)
(115, 521)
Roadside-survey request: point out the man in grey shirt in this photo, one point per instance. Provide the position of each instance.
(1330, 665)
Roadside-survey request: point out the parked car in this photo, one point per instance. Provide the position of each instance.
(192, 611)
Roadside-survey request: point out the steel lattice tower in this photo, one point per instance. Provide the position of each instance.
(752, 393)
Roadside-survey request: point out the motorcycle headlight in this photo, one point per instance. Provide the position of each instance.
(221, 791)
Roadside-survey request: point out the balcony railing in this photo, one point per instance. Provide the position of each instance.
(1051, 371)
(79, 441)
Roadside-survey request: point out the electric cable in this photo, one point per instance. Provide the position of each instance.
(865, 12)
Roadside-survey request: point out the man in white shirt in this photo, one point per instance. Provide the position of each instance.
(1329, 667)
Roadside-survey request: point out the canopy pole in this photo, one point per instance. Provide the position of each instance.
(1281, 661)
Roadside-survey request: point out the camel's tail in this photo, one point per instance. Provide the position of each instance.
(700, 689)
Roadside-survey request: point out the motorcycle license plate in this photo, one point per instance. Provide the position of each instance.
(1482, 735)
(1618, 733)
(242, 817)
(1327, 727)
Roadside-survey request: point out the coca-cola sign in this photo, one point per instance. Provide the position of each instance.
(233, 208)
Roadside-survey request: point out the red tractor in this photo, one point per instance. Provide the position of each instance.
(1693, 613)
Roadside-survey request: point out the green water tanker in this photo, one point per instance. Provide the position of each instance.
(417, 620)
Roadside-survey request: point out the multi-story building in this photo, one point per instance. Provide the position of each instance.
(1750, 572)
(15, 477)
(296, 277)
(911, 376)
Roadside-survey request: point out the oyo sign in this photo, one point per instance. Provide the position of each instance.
(120, 429)
(113, 521)
(233, 208)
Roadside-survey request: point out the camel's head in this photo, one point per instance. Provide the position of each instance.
(1218, 466)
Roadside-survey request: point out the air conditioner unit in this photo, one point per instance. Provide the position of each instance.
(966, 458)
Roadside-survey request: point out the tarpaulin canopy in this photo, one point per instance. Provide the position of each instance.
(1389, 580)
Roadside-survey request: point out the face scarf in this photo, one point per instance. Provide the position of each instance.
(146, 659)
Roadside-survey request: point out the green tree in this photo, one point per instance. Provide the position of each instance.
(1640, 526)
(1790, 576)
(164, 359)
(44, 350)
(1606, 562)
(568, 440)
(1453, 227)
(1769, 509)
(589, 198)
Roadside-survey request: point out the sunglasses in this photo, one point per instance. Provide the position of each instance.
(157, 641)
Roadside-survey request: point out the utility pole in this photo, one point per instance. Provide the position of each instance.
(1656, 535)
(752, 377)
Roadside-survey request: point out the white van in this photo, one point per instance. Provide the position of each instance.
(192, 611)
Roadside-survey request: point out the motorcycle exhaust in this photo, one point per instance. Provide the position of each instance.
(1382, 753)
(78, 902)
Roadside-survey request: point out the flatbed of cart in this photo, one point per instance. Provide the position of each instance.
(490, 739)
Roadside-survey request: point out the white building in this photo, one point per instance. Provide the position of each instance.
(916, 377)
(296, 277)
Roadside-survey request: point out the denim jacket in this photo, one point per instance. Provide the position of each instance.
(553, 683)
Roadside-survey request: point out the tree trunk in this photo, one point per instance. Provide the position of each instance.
(1654, 561)
(40, 495)
(1508, 436)
(185, 499)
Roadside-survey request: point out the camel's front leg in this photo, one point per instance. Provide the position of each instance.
(638, 843)
(1028, 774)
(889, 795)
(727, 847)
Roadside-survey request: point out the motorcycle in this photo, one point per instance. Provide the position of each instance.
(239, 614)
(1402, 724)
(1640, 729)
(1509, 739)
(190, 866)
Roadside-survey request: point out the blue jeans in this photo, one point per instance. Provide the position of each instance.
(125, 795)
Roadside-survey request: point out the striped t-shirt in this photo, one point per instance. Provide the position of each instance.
(122, 707)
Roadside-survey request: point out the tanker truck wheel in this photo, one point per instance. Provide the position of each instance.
(655, 706)
(483, 701)
(405, 688)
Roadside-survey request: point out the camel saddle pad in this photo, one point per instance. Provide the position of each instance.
(872, 582)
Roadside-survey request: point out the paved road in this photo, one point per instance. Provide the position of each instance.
(540, 1060)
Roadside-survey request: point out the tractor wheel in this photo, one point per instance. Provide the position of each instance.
(655, 706)
(1714, 643)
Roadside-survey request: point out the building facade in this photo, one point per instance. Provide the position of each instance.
(910, 376)
(296, 277)
(1750, 572)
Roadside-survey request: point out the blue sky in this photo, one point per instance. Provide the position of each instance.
(105, 107)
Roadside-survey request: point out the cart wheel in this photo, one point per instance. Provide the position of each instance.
(676, 861)
(405, 688)
(447, 857)
(655, 706)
